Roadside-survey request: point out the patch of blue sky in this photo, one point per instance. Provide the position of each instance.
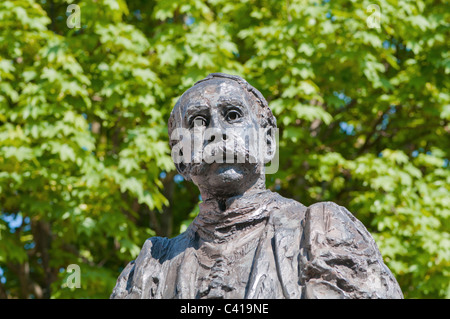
(343, 97)
(178, 178)
(348, 129)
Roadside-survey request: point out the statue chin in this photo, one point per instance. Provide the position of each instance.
(226, 179)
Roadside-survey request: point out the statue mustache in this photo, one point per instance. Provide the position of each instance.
(196, 150)
(232, 152)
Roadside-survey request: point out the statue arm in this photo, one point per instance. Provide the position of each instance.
(340, 259)
(140, 277)
(123, 284)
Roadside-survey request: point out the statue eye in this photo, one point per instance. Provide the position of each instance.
(233, 116)
(199, 121)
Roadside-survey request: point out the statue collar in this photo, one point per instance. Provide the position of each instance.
(241, 212)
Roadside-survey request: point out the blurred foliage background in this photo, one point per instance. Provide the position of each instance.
(85, 168)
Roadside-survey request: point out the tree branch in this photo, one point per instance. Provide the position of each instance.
(372, 132)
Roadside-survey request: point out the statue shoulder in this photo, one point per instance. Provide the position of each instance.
(147, 265)
(289, 212)
(340, 258)
(337, 224)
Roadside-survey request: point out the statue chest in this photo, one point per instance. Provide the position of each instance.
(244, 267)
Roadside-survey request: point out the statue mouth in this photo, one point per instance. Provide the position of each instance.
(229, 163)
(229, 171)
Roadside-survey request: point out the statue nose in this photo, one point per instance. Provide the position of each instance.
(216, 135)
(217, 131)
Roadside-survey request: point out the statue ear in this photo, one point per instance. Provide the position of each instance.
(179, 161)
(180, 143)
(270, 143)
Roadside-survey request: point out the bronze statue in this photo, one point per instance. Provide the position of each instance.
(247, 241)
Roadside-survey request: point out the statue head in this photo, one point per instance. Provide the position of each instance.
(221, 134)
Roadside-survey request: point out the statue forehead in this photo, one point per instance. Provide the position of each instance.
(211, 91)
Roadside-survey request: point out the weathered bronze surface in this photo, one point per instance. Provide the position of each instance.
(247, 241)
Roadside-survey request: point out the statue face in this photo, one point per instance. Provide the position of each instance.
(224, 136)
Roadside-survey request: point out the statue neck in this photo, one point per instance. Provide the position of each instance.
(242, 213)
(225, 198)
